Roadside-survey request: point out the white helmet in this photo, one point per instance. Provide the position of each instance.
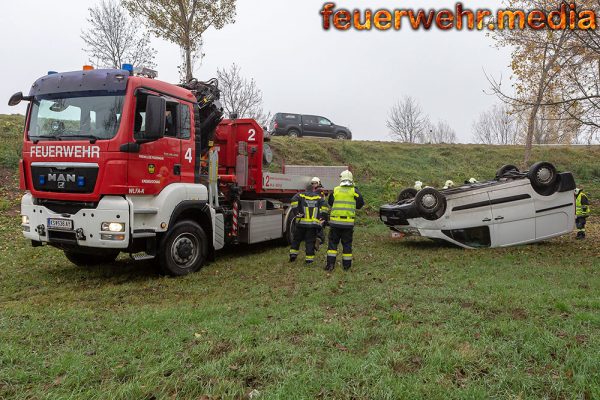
(418, 185)
(473, 180)
(448, 184)
(315, 180)
(346, 178)
(577, 190)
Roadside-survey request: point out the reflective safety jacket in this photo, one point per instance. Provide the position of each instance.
(344, 202)
(309, 207)
(582, 205)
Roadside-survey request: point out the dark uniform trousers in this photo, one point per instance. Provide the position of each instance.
(308, 234)
(337, 234)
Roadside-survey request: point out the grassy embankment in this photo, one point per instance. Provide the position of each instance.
(413, 319)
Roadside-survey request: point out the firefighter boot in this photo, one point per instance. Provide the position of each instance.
(580, 235)
(293, 255)
(346, 264)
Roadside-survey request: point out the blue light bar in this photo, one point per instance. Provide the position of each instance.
(128, 67)
(42, 179)
(81, 181)
(52, 72)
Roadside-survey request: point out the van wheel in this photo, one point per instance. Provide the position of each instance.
(89, 260)
(406, 194)
(543, 178)
(183, 249)
(430, 203)
(340, 136)
(293, 133)
(504, 169)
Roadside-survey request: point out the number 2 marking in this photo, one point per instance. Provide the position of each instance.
(267, 178)
(251, 134)
(188, 155)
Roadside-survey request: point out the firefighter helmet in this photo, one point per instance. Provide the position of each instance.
(315, 180)
(448, 184)
(346, 178)
(418, 185)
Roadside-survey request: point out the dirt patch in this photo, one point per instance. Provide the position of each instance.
(407, 366)
(220, 348)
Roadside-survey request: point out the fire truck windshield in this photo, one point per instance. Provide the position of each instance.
(71, 116)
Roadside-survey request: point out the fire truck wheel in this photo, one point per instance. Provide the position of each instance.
(184, 249)
(89, 260)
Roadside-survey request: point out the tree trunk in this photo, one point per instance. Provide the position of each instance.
(530, 130)
(188, 63)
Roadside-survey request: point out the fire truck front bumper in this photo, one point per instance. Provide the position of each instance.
(106, 226)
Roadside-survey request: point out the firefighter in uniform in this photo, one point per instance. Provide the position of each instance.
(582, 211)
(308, 208)
(344, 202)
(324, 213)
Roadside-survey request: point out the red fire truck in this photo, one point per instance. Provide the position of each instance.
(117, 161)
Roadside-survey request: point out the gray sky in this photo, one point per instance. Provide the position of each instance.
(351, 77)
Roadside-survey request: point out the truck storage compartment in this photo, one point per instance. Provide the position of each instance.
(261, 227)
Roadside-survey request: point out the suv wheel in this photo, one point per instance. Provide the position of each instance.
(340, 136)
(293, 133)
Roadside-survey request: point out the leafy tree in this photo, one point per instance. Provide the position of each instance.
(113, 39)
(183, 22)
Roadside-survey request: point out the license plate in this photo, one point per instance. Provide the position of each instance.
(64, 224)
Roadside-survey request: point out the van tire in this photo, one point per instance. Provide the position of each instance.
(430, 203)
(544, 178)
(408, 193)
(504, 169)
(183, 250)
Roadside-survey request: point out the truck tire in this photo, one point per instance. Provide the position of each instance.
(293, 133)
(290, 226)
(89, 260)
(340, 136)
(407, 193)
(430, 203)
(183, 249)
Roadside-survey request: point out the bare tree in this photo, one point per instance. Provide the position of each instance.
(113, 39)
(183, 22)
(439, 133)
(240, 95)
(407, 121)
(497, 125)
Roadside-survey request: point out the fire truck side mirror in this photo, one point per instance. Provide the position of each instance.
(17, 98)
(155, 118)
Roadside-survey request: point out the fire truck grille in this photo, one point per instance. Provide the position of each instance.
(66, 179)
(65, 207)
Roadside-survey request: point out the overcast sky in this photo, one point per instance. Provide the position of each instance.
(351, 77)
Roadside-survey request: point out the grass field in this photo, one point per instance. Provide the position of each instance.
(413, 319)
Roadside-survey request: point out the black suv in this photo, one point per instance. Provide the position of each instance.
(296, 125)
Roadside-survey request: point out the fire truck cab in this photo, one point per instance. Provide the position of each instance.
(115, 161)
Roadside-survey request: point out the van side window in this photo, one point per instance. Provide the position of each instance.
(184, 121)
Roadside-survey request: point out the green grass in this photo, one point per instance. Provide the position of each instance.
(413, 319)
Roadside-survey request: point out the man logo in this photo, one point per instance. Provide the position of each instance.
(151, 168)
